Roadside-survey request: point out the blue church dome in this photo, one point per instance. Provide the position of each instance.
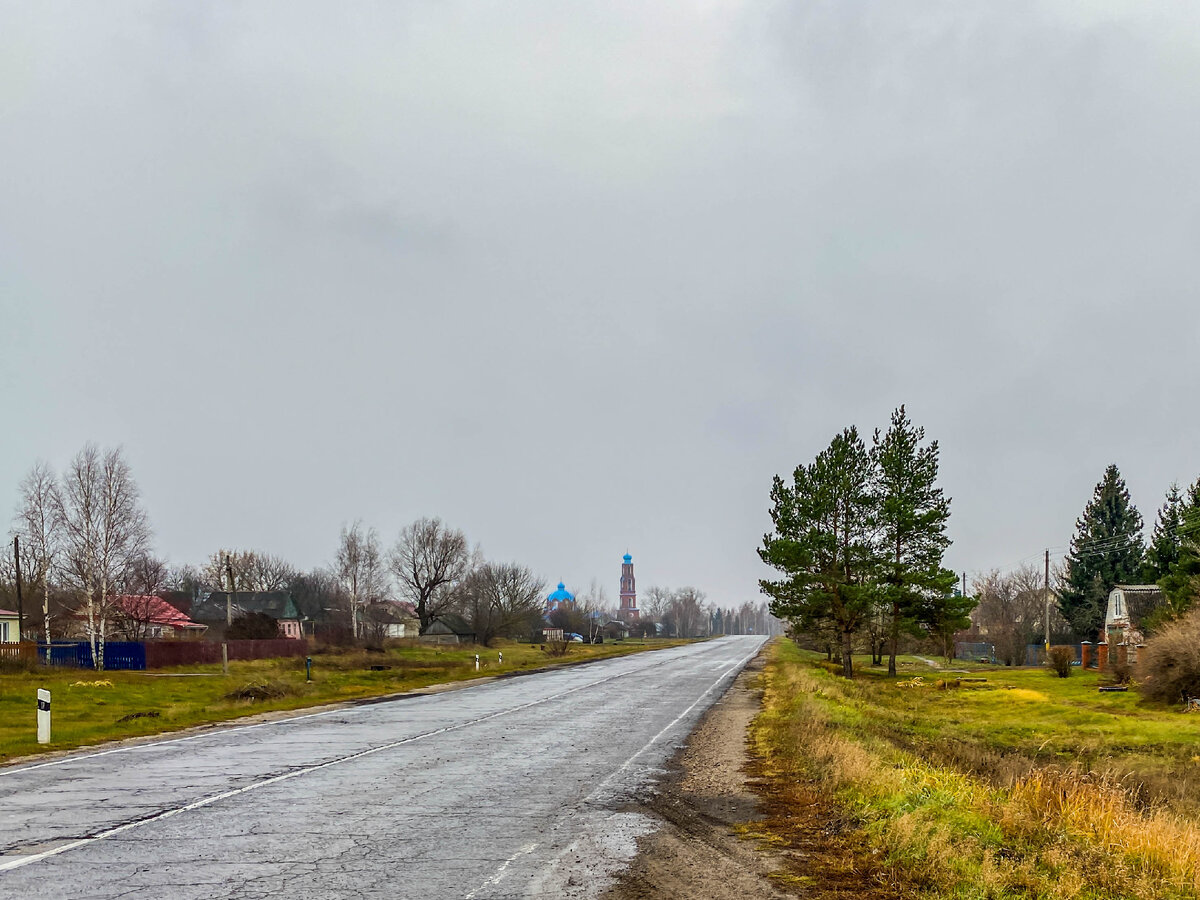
(561, 595)
(628, 558)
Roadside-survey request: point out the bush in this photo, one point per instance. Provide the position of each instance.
(252, 627)
(1060, 660)
(1169, 665)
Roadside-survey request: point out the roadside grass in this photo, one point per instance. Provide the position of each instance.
(90, 707)
(1025, 785)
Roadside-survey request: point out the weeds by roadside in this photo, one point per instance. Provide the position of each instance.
(946, 825)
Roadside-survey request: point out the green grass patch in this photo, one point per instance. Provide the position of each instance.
(90, 707)
(1022, 785)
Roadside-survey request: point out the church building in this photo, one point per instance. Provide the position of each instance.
(560, 599)
(628, 613)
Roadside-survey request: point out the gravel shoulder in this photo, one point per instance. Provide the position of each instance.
(702, 803)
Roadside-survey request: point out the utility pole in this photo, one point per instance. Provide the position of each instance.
(229, 596)
(20, 602)
(1047, 601)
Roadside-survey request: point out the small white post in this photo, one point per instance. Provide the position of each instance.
(501, 657)
(43, 716)
(224, 658)
(476, 662)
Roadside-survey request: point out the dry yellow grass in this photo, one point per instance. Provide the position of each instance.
(1052, 832)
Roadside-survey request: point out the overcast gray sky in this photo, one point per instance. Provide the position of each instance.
(581, 278)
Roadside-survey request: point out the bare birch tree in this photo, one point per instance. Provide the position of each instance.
(429, 560)
(105, 530)
(41, 534)
(361, 571)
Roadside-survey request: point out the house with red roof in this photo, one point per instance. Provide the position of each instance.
(142, 617)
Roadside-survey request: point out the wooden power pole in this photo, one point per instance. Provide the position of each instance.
(1047, 601)
(20, 602)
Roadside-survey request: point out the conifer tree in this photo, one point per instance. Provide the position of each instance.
(913, 513)
(1163, 552)
(1106, 550)
(1181, 581)
(824, 543)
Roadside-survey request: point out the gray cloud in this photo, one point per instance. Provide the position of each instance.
(582, 279)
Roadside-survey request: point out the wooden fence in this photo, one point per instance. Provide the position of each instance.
(25, 650)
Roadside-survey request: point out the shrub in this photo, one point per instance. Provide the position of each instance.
(1060, 660)
(252, 627)
(261, 690)
(1169, 664)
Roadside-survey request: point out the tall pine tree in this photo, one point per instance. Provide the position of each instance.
(825, 545)
(913, 513)
(1163, 552)
(1181, 580)
(1106, 550)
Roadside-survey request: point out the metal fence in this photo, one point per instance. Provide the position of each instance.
(78, 654)
(138, 655)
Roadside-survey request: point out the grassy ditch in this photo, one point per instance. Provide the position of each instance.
(1023, 785)
(90, 707)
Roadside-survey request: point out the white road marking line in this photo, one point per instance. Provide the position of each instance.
(625, 765)
(500, 872)
(19, 862)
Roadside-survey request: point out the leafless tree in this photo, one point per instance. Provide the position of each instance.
(105, 529)
(1011, 611)
(252, 571)
(41, 534)
(361, 571)
(687, 611)
(501, 600)
(135, 609)
(429, 560)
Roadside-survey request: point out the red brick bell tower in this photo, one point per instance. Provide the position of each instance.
(628, 612)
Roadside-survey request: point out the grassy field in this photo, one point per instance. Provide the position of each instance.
(1023, 785)
(90, 707)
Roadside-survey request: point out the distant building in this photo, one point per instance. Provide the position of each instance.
(448, 628)
(628, 613)
(561, 598)
(8, 626)
(1128, 607)
(210, 611)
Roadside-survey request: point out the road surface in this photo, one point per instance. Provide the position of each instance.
(516, 788)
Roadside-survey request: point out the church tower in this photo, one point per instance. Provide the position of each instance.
(629, 611)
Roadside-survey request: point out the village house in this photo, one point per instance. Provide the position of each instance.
(391, 619)
(1124, 621)
(210, 610)
(448, 629)
(8, 626)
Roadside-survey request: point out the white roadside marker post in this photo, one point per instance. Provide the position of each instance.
(501, 657)
(43, 716)
(476, 662)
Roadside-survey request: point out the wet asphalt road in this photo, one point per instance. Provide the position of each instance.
(516, 788)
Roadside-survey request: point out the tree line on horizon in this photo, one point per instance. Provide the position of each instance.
(85, 539)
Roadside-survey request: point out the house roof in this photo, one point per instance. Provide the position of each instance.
(391, 611)
(449, 623)
(155, 610)
(276, 604)
(8, 613)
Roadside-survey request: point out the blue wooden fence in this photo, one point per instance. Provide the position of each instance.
(78, 654)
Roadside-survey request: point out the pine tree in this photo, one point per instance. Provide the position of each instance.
(1163, 552)
(824, 543)
(913, 513)
(1106, 550)
(1181, 580)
